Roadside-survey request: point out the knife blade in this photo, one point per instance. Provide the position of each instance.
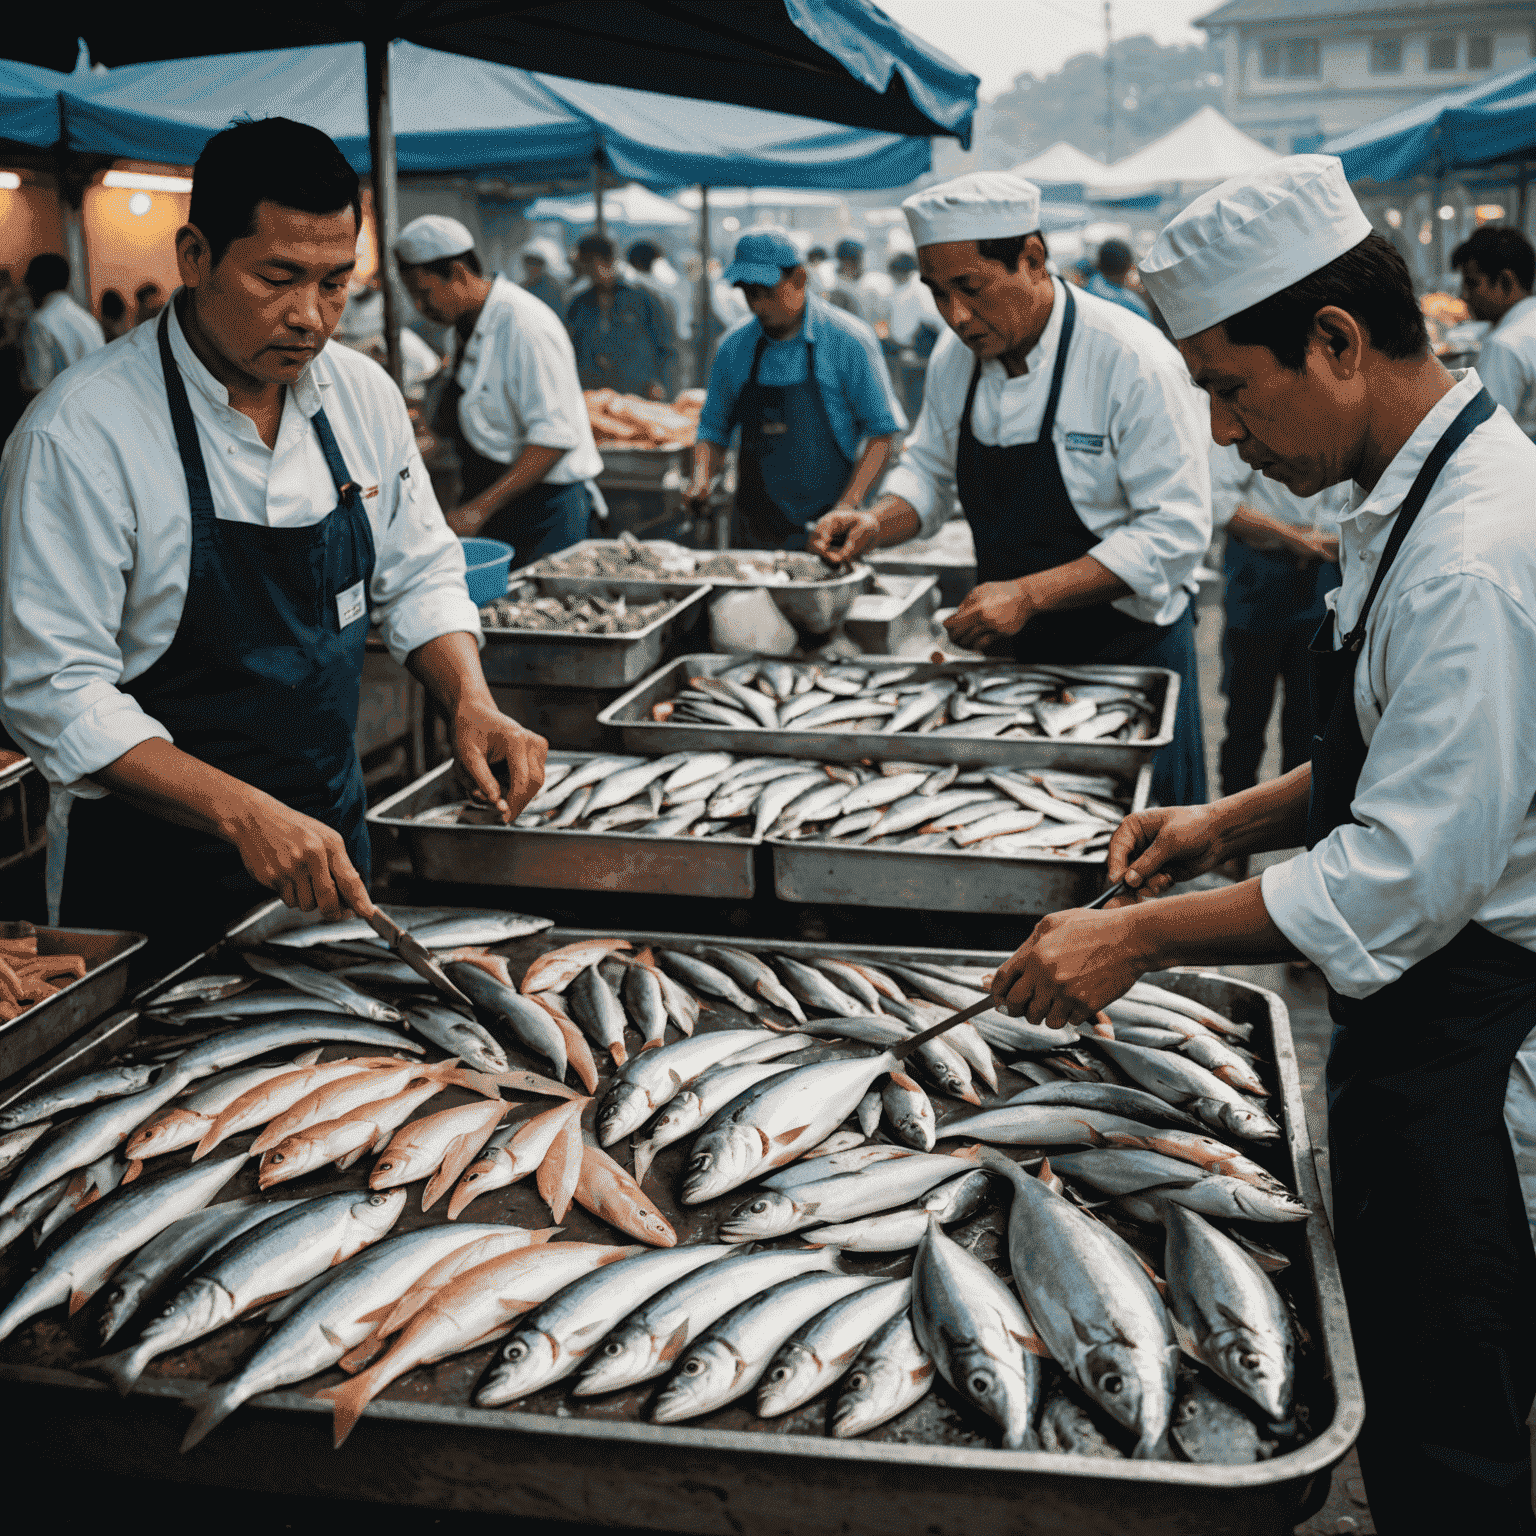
(418, 957)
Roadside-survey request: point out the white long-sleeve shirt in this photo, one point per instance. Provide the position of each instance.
(57, 334)
(518, 374)
(1131, 437)
(95, 532)
(1507, 364)
(1442, 690)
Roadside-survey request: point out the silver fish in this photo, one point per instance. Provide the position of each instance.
(586, 776)
(804, 704)
(1043, 1125)
(1094, 1306)
(815, 805)
(1218, 1057)
(527, 1020)
(676, 824)
(706, 978)
(892, 1373)
(1209, 1429)
(80, 1265)
(975, 1331)
(815, 1165)
(849, 979)
(110, 1083)
(652, 1338)
(757, 976)
(780, 794)
(1153, 1039)
(738, 795)
(1231, 1313)
(618, 787)
(868, 1113)
(1058, 719)
(961, 807)
(1130, 1173)
(600, 1014)
(646, 1003)
(819, 1351)
(730, 1357)
(553, 1341)
(898, 1231)
(704, 765)
(1162, 997)
(573, 809)
(910, 1112)
(85, 1188)
(920, 705)
(1069, 1429)
(199, 989)
(37, 1204)
(1187, 1084)
(920, 810)
(844, 711)
(839, 1197)
(1132, 1103)
(14, 1145)
(939, 1058)
(326, 984)
(697, 1102)
(882, 792)
(630, 815)
(1033, 798)
(266, 1262)
(255, 1005)
(472, 1043)
(815, 990)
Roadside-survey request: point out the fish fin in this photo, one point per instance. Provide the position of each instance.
(135, 1168)
(901, 1080)
(332, 1338)
(378, 1315)
(122, 1369)
(655, 1045)
(646, 958)
(1186, 1340)
(77, 1299)
(674, 1346)
(561, 1169)
(1032, 1342)
(1103, 1027)
(788, 1138)
(543, 1235)
(578, 1055)
(644, 1157)
(970, 1154)
(350, 1399)
(347, 1159)
(361, 1355)
(217, 1405)
(620, 1053)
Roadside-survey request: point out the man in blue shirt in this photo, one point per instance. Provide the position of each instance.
(806, 384)
(1109, 282)
(622, 334)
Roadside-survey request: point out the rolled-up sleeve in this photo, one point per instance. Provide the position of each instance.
(1448, 782)
(418, 589)
(1160, 431)
(67, 547)
(924, 476)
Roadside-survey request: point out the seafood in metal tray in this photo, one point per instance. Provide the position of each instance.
(660, 560)
(987, 810)
(572, 613)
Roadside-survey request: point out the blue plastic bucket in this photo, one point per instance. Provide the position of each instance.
(487, 563)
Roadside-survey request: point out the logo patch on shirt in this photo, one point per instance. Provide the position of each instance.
(369, 492)
(351, 605)
(1085, 442)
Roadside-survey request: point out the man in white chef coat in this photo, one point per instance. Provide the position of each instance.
(58, 332)
(1416, 895)
(1498, 270)
(1076, 445)
(196, 525)
(513, 408)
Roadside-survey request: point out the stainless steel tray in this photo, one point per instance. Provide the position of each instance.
(941, 880)
(929, 1473)
(814, 606)
(49, 1023)
(894, 611)
(559, 860)
(552, 658)
(632, 715)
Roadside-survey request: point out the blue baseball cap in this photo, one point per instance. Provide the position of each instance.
(761, 258)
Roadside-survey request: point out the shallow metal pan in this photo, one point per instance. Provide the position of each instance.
(557, 859)
(631, 715)
(929, 1473)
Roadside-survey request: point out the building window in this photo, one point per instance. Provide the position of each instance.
(1296, 58)
(1386, 55)
(1480, 51)
(1442, 53)
(1273, 61)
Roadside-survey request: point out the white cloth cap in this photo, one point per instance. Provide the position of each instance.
(1249, 238)
(986, 205)
(430, 238)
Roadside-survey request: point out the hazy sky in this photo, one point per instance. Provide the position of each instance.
(998, 39)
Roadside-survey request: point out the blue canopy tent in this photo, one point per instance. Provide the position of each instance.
(29, 104)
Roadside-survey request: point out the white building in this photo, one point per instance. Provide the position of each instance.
(1299, 71)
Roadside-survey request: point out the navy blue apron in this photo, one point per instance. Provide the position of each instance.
(261, 681)
(1023, 521)
(786, 427)
(1433, 1236)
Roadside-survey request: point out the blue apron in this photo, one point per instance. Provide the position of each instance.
(261, 680)
(1432, 1231)
(1023, 521)
(789, 469)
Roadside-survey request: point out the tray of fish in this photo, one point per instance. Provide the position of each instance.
(990, 839)
(811, 594)
(805, 1261)
(599, 637)
(601, 823)
(929, 712)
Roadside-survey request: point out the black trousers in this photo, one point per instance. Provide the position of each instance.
(1253, 661)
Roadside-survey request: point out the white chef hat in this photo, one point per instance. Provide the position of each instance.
(1249, 238)
(985, 205)
(430, 238)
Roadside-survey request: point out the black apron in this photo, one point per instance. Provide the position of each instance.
(261, 680)
(1023, 521)
(789, 423)
(1433, 1236)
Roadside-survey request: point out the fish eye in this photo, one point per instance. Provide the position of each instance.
(613, 1349)
(383, 1167)
(758, 1207)
(699, 1163)
(981, 1383)
(516, 1350)
(1112, 1384)
(1249, 1361)
(858, 1381)
(277, 1157)
(1186, 1410)
(375, 1199)
(694, 1367)
(779, 1373)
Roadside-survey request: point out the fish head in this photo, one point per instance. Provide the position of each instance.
(197, 1309)
(1248, 1121)
(870, 1392)
(1262, 1204)
(679, 1117)
(916, 1126)
(170, 1131)
(478, 1178)
(1133, 1385)
(398, 1166)
(791, 1379)
(527, 1360)
(1261, 1367)
(998, 1387)
(287, 1160)
(703, 1381)
(655, 1227)
(769, 1214)
(376, 1213)
(621, 1112)
(721, 1161)
(625, 1357)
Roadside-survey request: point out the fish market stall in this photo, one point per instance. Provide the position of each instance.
(880, 1303)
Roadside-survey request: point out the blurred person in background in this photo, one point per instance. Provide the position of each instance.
(115, 320)
(513, 408)
(149, 300)
(650, 269)
(622, 333)
(1498, 270)
(1111, 277)
(59, 331)
(821, 269)
(915, 328)
(843, 289)
(806, 384)
(1281, 562)
(544, 271)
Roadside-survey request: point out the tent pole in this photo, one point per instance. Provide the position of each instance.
(701, 332)
(381, 146)
(597, 195)
(1523, 185)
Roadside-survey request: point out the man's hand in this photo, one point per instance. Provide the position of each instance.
(1152, 850)
(1313, 547)
(482, 735)
(467, 519)
(1072, 965)
(990, 612)
(843, 534)
(302, 859)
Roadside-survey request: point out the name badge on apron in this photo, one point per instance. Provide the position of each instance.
(351, 605)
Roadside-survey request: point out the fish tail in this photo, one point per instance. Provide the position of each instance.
(997, 1162)
(645, 1155)
(123, 1369)
(217, 1405)
(351, 1397)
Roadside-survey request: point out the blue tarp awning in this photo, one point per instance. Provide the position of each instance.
(461, 116)
(29, 103)
(1460, 130)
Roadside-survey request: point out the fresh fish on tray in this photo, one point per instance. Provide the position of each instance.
(572, 613)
